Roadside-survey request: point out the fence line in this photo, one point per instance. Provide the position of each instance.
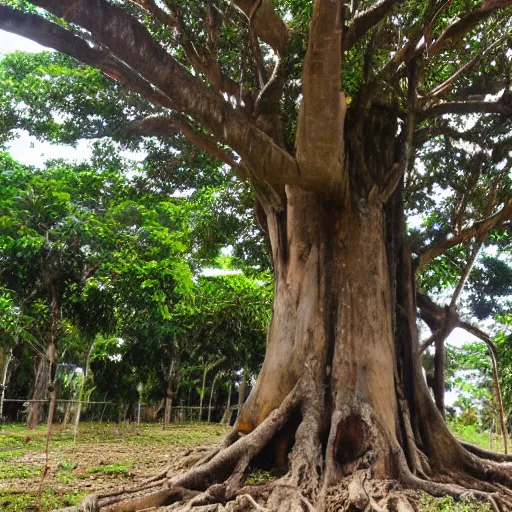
(139, 410)
(58, 400)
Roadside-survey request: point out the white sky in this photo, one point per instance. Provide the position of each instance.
(29, 151)
(26, 149)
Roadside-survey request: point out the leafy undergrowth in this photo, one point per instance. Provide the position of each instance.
(105, 457)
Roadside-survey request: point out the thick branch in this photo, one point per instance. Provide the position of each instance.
(167, 125)
(131, 43)
(366, 21)
(423, 135)
(496, 4)
(477, 229)
(319, 139)
(266, 23)
(54, 36)
(467, 107)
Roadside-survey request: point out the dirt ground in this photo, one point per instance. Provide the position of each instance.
(105, 456)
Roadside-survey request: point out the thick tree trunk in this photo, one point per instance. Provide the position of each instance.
(332, 324)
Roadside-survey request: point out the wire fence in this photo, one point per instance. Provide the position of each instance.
(107, 411)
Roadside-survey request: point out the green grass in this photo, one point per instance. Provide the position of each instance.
(110, 469)
(470, 434)
(14, 501)
(9, 471)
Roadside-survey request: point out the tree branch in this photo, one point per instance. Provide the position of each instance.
(467, 269)
(467, 107)
(200, 59)
(131, 43)
(446, 85)
(167, 125)
(407, 152)
(266, 23)
(422, 135)
(319, 139)
(54, 36)
(480, 228)
(89, 272)
(419, 45)
(455, 32)
(365, 21)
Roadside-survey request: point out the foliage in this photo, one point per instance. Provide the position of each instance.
(447, 504)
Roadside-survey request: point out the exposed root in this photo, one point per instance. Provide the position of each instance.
(250, 499)
(486, 454)
(354, 454)
(455, 491)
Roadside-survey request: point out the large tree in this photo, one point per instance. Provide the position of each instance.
(325, 108)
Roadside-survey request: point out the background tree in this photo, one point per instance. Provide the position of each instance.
(378, 85)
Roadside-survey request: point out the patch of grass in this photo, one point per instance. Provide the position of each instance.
(10, 454)
(111, 469)
(259, 476)
(447, 504)
(19, 471)
(470, 434)
(13, 501)
(67, 465)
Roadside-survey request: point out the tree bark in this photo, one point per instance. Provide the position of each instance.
(439, 373)
(211, 396)
(5, 376)
(226, 417)
(332, 322)
(171, 382)
(242, 389)
(35, 407)
(78, 410)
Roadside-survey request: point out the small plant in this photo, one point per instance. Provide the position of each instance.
(67, 465)
(447, 504)
(259, 476)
